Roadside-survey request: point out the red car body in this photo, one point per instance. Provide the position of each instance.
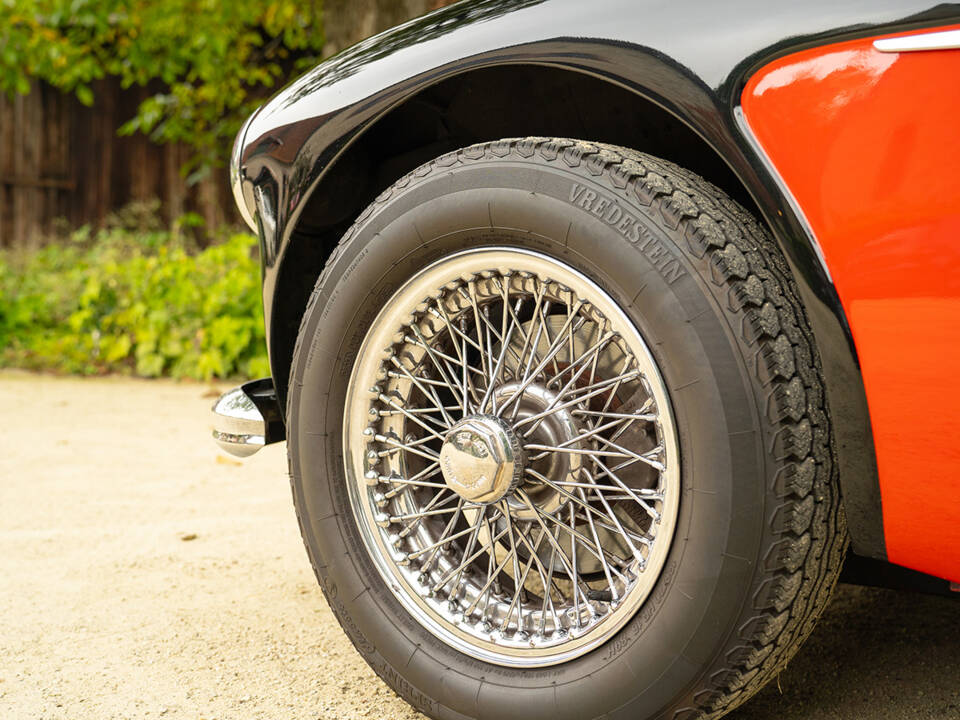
(868, 144)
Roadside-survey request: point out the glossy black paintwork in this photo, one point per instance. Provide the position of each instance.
(691, 58)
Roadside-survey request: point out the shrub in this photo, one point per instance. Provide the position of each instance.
(137, 303)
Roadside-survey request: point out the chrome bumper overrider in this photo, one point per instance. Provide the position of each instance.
(248, 417)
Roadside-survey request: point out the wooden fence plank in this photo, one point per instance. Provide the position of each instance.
(61, 159)
(6, 209)
(20, 209)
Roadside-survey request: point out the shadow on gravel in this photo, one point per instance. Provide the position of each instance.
(877, 655)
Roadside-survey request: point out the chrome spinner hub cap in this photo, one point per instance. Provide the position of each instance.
(481, 459)
(511, 457)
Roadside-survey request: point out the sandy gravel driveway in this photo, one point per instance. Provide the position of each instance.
(143, 574)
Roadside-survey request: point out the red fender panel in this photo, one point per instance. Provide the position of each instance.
(868, 143)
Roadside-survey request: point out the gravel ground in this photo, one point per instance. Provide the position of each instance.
(143, 574)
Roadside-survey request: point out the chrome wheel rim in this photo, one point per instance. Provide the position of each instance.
(511, 457)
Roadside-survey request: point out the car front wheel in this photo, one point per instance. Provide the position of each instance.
(558, 440)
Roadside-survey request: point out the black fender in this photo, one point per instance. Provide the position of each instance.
(690, 59)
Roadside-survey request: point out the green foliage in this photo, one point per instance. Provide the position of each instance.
(215, 60)
(134, 303)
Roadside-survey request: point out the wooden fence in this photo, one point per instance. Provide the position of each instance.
(62, 160)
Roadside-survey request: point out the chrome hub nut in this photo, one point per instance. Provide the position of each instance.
(481, 459)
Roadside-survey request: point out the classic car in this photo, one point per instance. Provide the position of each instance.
(602, 334)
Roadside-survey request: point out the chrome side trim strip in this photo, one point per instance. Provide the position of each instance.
(943, 40)
(747, 132)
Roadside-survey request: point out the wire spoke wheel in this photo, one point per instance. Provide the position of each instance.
(513, 457)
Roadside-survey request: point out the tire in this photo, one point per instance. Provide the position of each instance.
(759, 535)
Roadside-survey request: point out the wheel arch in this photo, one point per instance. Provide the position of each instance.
(479, 105)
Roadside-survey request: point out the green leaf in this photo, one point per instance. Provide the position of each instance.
(115, 348)
(150, 365)
(84, 95)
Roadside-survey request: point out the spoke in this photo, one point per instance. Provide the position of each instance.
(621, 416)
(643, 492)
(639, 412)
(596, 355)
(641, 457)
(424, 380)
(471, 541)
(461, 350)
(542, 314)
(634, 536)
(459, 392)
(421, 342)
(427, 392)
(410, 483)
(603, 561)
(519, 582)
(459, 331)
(414, 519)
(410, 416)
(425, 412)
(505, 511)
(561, 394)
(474, 393)
(465, 560)
(513, 313)
(489, 327)
(490, 580)
(439, 543)
(562, 555)
(580, 392)
(536, 557)
(541, 289)
(596, 550)
(567, 443)
(472, 299)
(491, 558)
(641, 560)
(530, 376)
(505, 318)
(505, 343)
(546, 595)
(623, 486)
(611, 472)
(591, 352)
(446, 531)
(411, 447)
(429, 471)
(486, 321)
(576, 451)
(404, 485)
(570, 496)
(601, 387)
(504, 288)
(418, 515)
(573, 552)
